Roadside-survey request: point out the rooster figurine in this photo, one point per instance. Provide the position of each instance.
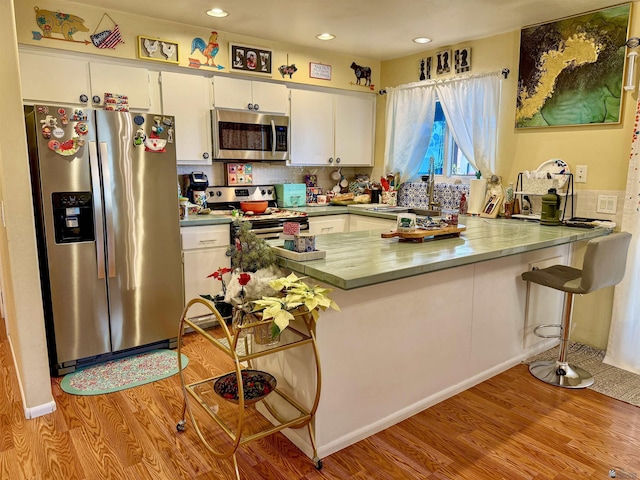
(150, 46)
(209, 50)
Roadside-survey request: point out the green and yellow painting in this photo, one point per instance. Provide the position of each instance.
(571, 71)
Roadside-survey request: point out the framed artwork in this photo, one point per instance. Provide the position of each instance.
(319, 70)
(462, 59)
(571, 70)
(157, 49)
(250, 59)
(425, 69)
(443, 65)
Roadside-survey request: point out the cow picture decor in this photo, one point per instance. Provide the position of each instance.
(363, 75)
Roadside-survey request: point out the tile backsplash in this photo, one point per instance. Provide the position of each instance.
(269, 173)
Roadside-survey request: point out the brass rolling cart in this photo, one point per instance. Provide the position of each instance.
(239, 420)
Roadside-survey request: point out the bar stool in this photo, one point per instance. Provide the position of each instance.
(603, 266)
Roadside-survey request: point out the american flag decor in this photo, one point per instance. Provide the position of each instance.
(112, 39)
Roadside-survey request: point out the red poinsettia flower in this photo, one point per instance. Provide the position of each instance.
(219, 273)
(244, 278)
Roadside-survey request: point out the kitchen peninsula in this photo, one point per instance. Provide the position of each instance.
(420, 322)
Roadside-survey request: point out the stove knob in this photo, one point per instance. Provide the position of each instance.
(269, 192)
(262, 192)
(218, 193)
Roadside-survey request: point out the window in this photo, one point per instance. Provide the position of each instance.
(448, 158)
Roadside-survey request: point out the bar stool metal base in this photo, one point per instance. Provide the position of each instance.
(561, 374)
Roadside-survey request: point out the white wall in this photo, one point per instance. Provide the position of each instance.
(25, 320)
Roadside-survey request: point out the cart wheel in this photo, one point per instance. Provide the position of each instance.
(181, 426)
(318, 463)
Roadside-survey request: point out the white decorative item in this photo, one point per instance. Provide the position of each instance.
(631, 71)
(477, 191)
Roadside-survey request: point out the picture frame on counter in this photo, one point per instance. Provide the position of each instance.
(249, 59)
(158, 50)
(320, 71)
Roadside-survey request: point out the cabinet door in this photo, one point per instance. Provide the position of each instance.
(311, 128)
(269, 97)
(52, 79)
(231, 93)
(358, 223)
(328, 224)
(130, 81)
(187, 98)
(354, 130)
(204, 251)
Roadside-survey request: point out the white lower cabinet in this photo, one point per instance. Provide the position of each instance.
(328, 224)
(358, 223)
(204, 250)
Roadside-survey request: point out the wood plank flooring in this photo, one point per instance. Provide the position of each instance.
(509, 427)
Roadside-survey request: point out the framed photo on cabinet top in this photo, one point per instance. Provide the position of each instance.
(157, 49)
(250, 59)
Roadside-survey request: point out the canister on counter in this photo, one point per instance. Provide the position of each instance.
(450, 216)
(406, 222)
(305, 243)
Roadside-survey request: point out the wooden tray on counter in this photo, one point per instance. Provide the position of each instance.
(421, 233)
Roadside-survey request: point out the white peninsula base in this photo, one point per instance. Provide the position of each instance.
(399, 347)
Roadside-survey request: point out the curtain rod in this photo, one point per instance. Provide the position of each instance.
(504, 72)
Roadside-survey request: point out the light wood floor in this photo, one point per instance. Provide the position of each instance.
(509, 427)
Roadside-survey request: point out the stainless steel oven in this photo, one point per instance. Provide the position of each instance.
(268, 225)
(249, 136)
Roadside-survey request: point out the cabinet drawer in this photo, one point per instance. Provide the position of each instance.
(210, 236)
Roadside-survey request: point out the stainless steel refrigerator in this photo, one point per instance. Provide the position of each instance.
(106, 210)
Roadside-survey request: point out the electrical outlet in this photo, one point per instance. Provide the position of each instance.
(607, 204)
(581, 174)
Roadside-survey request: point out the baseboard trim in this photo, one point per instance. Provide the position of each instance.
(38, 410)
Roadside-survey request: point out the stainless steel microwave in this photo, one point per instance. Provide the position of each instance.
(249, 136)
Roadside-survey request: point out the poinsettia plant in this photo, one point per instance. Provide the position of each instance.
(294, 294)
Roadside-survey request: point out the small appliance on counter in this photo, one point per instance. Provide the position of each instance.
(291, 194)
(197, 183)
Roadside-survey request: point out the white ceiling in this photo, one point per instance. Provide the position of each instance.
(375, 29)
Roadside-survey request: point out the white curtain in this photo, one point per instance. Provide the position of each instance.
(410, 114)
(623, 350)
(471, 108)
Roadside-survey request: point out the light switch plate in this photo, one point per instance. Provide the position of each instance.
(607, 204)
(581, 174)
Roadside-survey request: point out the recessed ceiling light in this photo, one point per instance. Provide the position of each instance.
(217, 12)
(325, 36)
(422, 40)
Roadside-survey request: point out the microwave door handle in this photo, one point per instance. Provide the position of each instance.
(108, 208)
(97, 207)
(273, 137)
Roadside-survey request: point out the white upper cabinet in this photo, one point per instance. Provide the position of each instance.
(239, 94)
(123, 80)
(331, 129)
(51, 79)
(62, 79)
(311, 128)
(187, 98)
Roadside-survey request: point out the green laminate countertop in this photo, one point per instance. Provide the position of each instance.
(358, 259)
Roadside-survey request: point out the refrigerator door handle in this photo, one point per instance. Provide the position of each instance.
(97, 207)
(108, 208)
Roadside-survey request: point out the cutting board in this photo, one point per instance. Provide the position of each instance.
(420, 234)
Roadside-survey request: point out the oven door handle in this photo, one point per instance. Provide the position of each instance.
(267, 230)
